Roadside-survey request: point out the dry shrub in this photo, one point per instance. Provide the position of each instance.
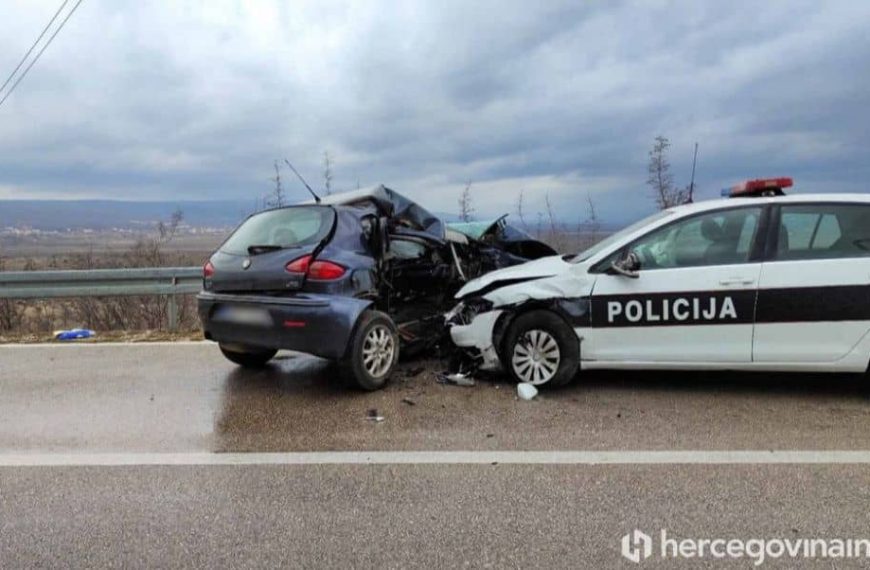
(129, 313)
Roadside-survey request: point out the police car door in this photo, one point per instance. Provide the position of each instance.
(693, 299)
(814, 297)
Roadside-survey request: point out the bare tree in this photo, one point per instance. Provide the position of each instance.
(551, 215)
(660, 178)
(327, 173)
(167, 230)
(555, 236)
(593, 224)
(588, 230)
(521, 214)
(276, 198)
(466, 206)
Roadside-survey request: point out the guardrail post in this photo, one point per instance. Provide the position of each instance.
(172, 313)
(172, 309)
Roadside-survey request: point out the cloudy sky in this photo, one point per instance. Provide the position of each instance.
(196, 99)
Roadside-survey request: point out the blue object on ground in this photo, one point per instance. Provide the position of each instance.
(74, 334)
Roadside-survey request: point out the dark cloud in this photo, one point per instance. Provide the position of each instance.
(195, 100)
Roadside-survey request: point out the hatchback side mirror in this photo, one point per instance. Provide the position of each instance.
(628, 266)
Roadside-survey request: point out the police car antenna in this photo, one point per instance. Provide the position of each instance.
(316, 197)
(692, 183)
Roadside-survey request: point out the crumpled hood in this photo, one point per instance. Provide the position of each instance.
(544, 267)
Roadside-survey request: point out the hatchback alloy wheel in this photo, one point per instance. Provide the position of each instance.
(378, 351)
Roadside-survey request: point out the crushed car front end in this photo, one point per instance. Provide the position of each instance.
(489, 305)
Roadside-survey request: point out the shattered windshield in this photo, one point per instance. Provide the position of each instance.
(618, 236)
(474, 230)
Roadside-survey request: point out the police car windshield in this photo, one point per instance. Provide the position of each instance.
(615, 238)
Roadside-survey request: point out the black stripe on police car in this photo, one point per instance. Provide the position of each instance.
(674, 309)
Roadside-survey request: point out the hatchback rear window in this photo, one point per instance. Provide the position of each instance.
(282, 228)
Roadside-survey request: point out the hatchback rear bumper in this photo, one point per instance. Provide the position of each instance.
(316, 324)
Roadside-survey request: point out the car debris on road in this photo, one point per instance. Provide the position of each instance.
(526, 391)
(374, 416)
(456, 378)
(74, 334)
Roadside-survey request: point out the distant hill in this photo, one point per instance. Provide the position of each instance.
(59, 215)
(107, 214)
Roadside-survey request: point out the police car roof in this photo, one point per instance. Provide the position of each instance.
(705, 205)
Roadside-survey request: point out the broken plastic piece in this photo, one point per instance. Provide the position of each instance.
(457, 379)
(374, 417)
(74, 334)
(526, 391)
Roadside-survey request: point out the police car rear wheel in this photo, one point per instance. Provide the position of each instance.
(541, 349)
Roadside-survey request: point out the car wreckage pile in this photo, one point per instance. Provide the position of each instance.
(755, 281)
(356, 277)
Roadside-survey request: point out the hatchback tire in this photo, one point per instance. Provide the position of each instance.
(248, 358)
(541, 349)
(373, 351)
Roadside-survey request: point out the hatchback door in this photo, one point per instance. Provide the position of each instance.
(255, 256)
(814, 296)
(693, 299)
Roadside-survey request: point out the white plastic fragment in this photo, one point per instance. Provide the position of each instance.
(457, 379)
(461, 379)
(526, 391)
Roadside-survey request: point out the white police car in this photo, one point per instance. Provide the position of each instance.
(758, 281)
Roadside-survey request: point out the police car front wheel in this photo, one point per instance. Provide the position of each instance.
(540, 348)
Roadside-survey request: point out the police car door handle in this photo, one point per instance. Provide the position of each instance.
(736, 281)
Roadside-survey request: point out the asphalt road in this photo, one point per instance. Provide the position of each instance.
(132, 401)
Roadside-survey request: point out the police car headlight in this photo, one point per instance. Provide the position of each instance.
(452, 315)
(465, 311)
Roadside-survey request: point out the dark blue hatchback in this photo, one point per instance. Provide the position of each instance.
(350, 279)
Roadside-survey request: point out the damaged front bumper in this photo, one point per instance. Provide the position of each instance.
(475, 334)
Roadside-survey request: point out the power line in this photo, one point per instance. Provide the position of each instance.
(26, 55)
(38, 55)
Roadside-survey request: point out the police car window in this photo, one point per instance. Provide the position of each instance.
(616, 238)
(717, 238)
(824, 231)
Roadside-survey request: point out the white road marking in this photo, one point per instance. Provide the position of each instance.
(440, 458)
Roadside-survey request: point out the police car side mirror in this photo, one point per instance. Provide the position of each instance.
(628, 266)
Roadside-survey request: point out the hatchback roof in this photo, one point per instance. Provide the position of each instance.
(391, 204)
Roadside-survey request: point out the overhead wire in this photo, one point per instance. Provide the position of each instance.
(41, 51)
(26, 55)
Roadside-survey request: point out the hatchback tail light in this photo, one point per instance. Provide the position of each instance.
(299, 265)
(207, 270)
(320, 270)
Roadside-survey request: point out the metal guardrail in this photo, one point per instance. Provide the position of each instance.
(168, 281)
